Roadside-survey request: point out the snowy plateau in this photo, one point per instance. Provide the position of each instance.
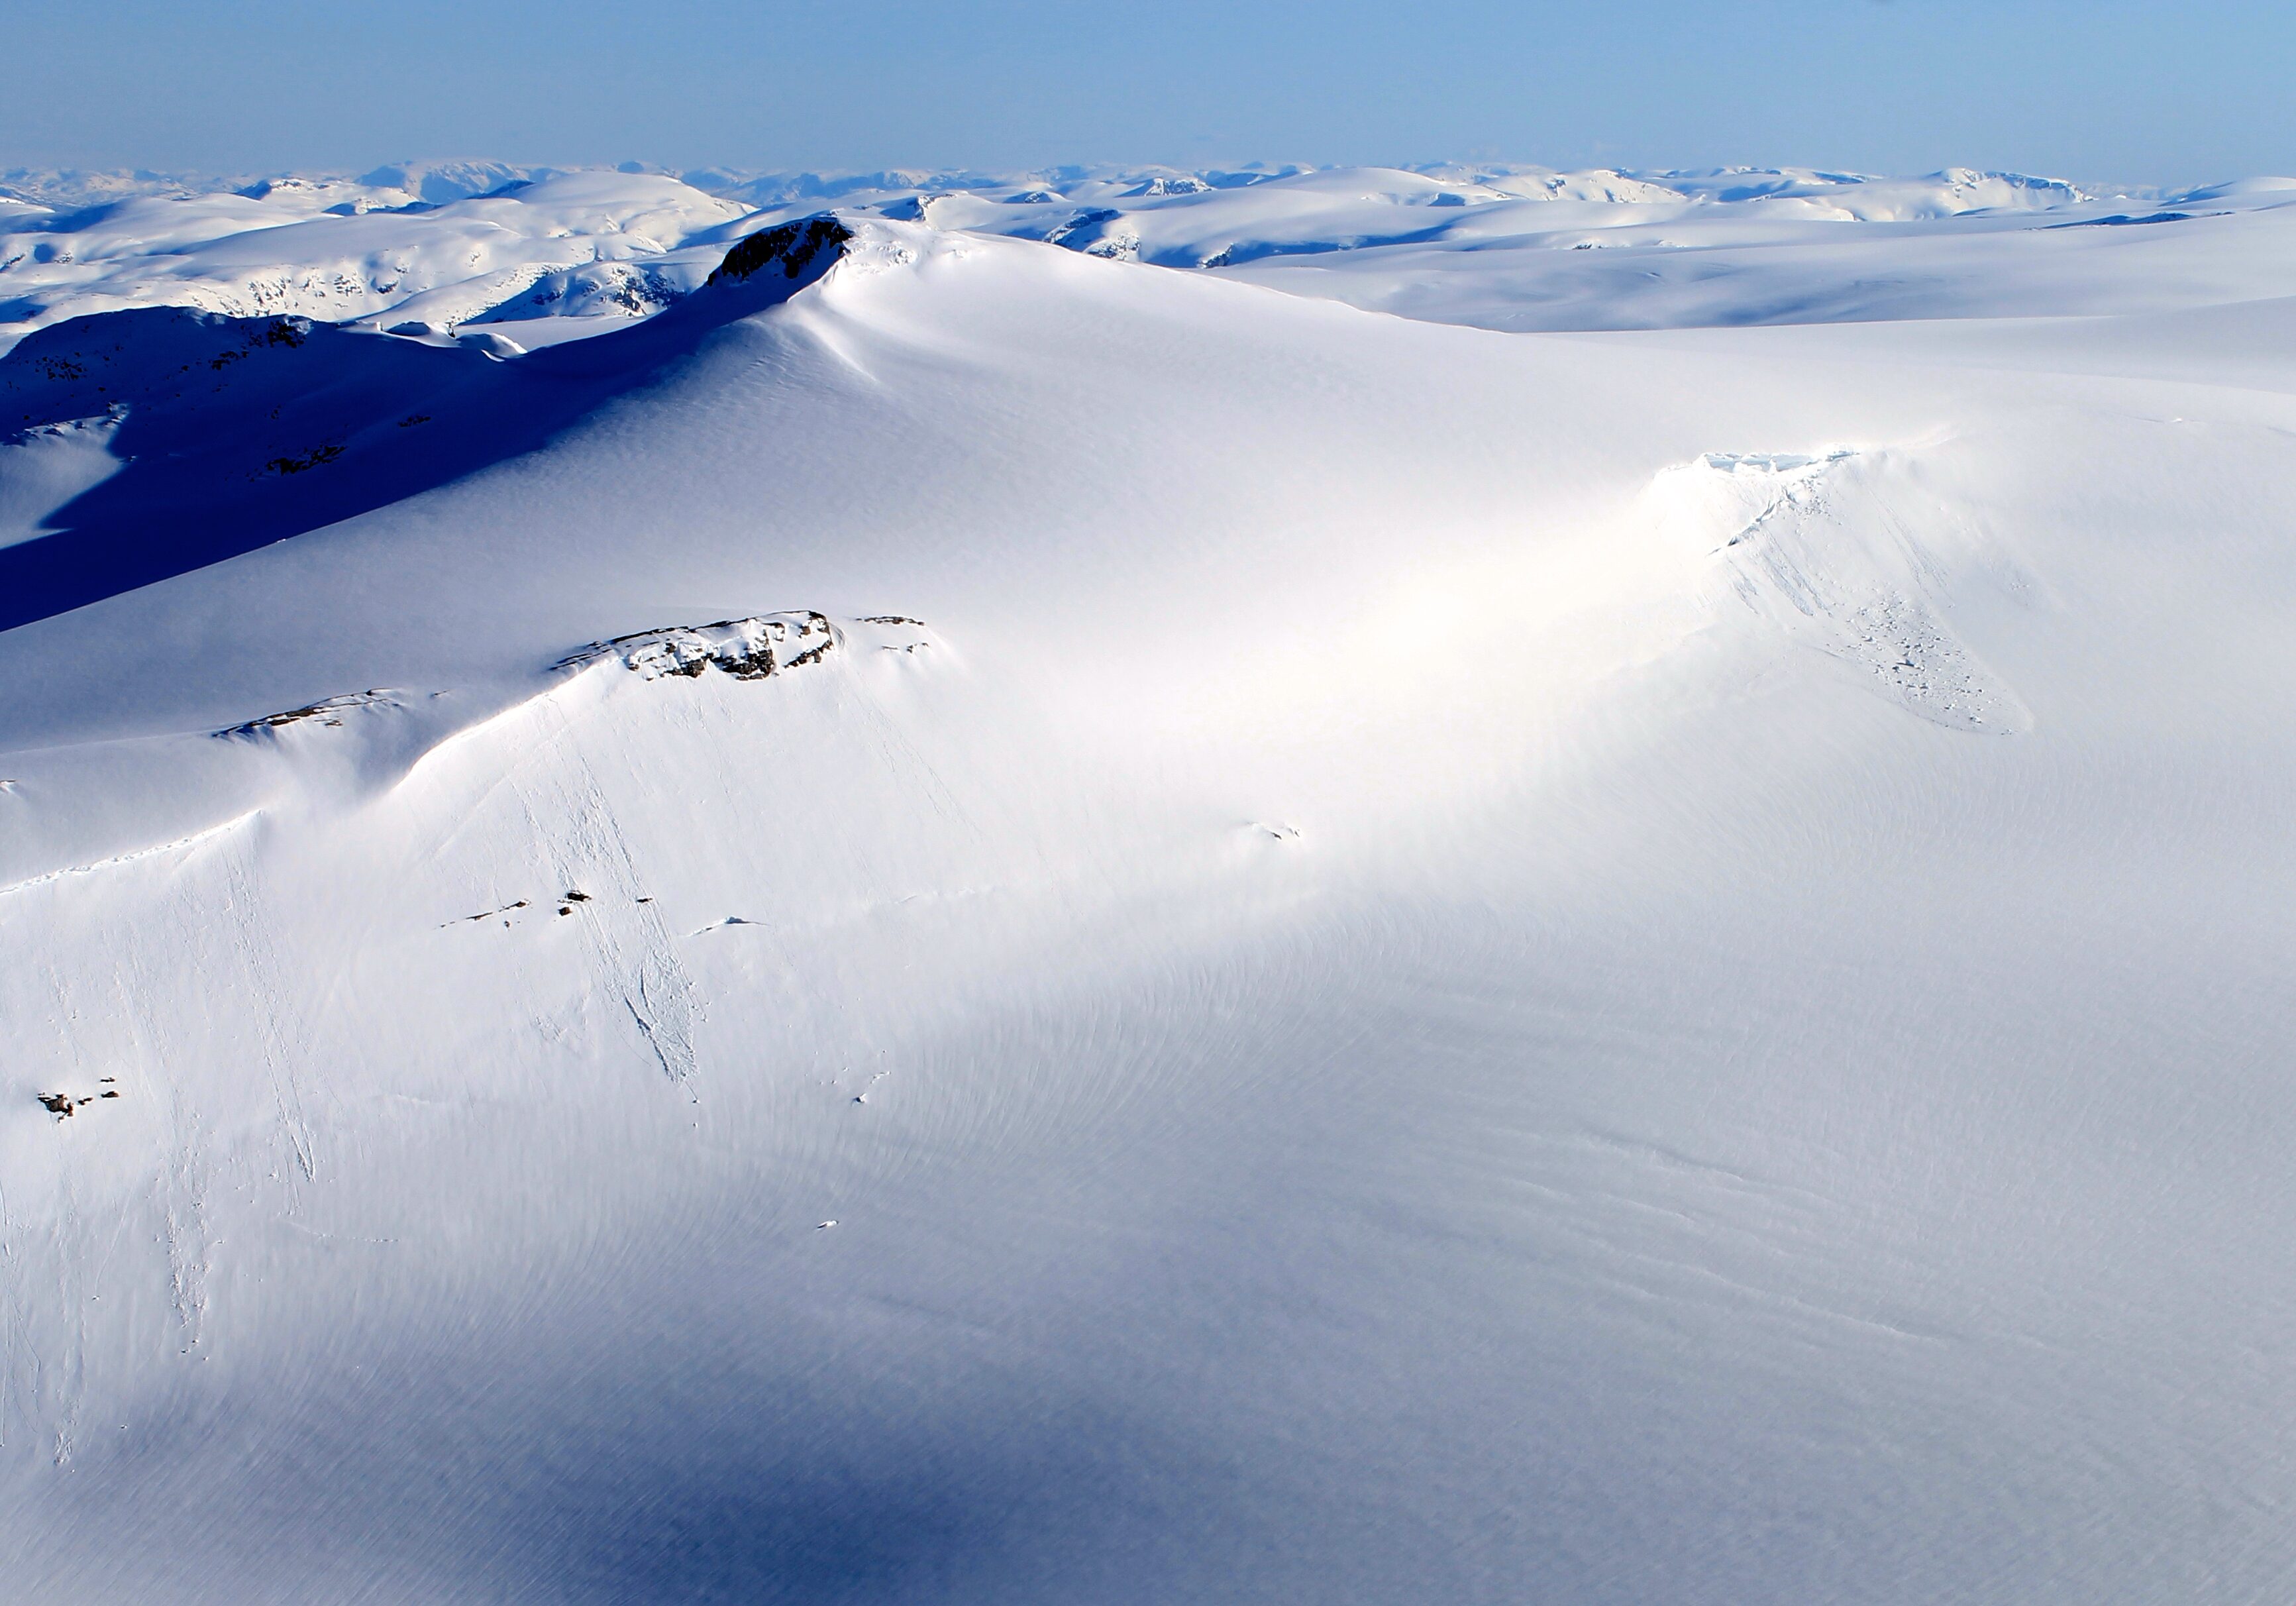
(1350, 885)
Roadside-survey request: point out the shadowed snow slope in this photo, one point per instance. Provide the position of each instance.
(1452, 966)
(224, 434)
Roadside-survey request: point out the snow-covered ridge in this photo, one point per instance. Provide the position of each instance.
(367, 743)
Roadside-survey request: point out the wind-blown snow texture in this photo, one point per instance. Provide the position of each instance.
(963, 918)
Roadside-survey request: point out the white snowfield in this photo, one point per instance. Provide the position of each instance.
(1415, 962)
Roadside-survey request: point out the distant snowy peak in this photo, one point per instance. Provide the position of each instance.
(439, 183)
(1871, 199)
(397, 183)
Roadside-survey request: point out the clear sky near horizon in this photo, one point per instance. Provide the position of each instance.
(2098, 89)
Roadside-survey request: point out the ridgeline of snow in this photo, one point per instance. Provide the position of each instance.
(1413, 962)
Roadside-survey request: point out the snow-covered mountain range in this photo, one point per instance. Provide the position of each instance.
(543, 253)
(1355, 885)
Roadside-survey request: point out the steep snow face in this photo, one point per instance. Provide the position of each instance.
(977, 923)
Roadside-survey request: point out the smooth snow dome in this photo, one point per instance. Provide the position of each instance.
(1116, 885)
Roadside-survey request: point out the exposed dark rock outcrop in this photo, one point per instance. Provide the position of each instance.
(788, 248)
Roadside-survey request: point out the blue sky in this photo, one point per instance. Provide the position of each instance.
(2137, 93)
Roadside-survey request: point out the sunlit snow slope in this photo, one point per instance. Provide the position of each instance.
(960, 921)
